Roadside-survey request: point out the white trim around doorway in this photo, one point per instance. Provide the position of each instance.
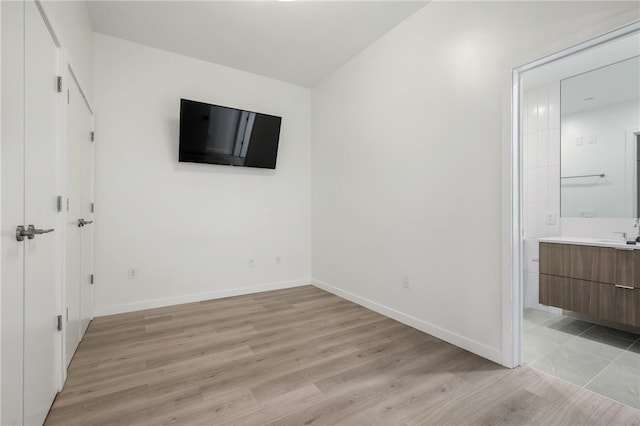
(513, 302)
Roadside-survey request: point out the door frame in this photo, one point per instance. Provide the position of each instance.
(513, 305)
(0, 201)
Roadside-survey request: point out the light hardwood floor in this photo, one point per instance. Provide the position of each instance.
(296, 357)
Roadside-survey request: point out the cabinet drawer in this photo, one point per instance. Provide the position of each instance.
(599, 300)
(581, 262)
(585, 296)
(625, 266)
(627, 306)
(636, 262)
(555, 259)
(555, 291)
(592, 263)
(605, 294)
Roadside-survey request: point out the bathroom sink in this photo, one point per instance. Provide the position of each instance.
(612, 242)
(603, 242)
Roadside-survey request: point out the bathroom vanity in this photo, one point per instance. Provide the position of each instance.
(599, 278)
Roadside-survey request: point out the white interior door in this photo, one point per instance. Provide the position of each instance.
(86, 213)
(76, 133)
(12, 210)
(79, 237)
(41, 271)
(30, 291)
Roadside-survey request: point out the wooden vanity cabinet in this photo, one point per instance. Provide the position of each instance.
(601, 282)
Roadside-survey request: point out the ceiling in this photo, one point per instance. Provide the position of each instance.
(299, 42)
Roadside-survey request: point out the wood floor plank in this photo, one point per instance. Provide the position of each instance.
(278, 407)
(416, 401)
(301, 356)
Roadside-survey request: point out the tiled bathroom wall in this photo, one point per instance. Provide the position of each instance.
(541, 179)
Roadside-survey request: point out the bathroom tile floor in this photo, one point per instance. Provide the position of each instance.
(598, 358)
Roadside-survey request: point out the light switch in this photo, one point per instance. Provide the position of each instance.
(579, 141)
(593, 139)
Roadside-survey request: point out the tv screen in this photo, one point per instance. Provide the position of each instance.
(217, 134)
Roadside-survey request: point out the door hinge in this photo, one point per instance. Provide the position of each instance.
(59, 203)
(93, 136)
(59, 326)
(59, 84)
(67, 204)
(67, 314)
(92, 207)
(68, 97)
(91, 279)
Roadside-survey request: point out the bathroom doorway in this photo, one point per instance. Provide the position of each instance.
(575, 179)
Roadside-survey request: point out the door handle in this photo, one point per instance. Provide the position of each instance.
(82, 222)
(30, 232)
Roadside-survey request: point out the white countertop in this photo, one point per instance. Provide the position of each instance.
(600, 242)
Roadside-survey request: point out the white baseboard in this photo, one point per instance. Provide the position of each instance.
(198, 297)
(446, 335)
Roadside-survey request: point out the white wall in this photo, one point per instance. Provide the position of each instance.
(72, 25)
(189, 229)
(409, 162)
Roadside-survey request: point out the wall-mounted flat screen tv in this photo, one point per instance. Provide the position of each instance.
(217, 134)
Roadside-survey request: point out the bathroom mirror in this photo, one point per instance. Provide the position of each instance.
(599, 127)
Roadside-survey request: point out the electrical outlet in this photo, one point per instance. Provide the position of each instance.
(278, 261)
(551, 218)
(587, 212)
(250, 262)
(132, 273)
(406, 282)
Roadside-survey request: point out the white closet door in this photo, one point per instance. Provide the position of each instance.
(86, 213)
(79, 239)
(41, 296)
(76, 134)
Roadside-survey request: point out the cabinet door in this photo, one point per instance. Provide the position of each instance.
(555, 291)
(625, 267)
(591, 264)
